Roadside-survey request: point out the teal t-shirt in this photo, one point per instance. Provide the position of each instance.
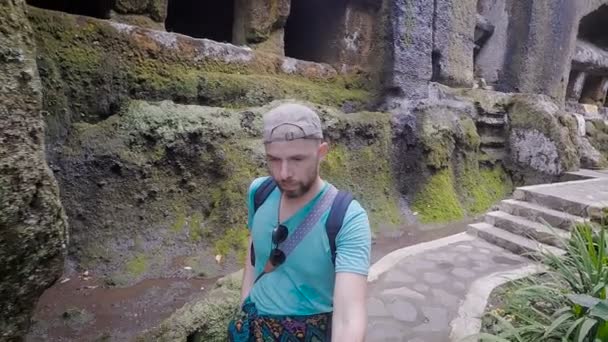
(304, 283)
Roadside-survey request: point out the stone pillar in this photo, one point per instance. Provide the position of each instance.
(540, 45)
(356, 39)
(33, 227)
(595, 90)
(410, 44)
(260, 24)
(575, 85)
(453, 43)
(145, 13)
(490, 58)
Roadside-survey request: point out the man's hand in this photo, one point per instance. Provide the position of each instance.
(349, 322)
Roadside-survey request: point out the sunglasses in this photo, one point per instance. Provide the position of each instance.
(279, 235)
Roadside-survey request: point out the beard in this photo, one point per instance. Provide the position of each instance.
(299, 188)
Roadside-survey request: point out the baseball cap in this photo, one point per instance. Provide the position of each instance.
(291, 121)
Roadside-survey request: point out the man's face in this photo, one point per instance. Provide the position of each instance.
(295, 164)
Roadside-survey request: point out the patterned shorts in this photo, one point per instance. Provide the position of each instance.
(251, 327)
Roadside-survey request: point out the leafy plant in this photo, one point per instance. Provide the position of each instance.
(567, 303)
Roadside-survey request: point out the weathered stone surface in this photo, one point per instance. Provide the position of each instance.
(597, 136)
(453, 45)
(434, 277)
(169, 181)
(32, 222)
(155, 9)
(542, 138)
(437, 319)
(403, 292)
(527, 113)
(89, 67)
(534, 149)
(490, 59)
(257, 20)
(359, 36)
(375, 307)
(399, 277)
(410, 42)
(450, 183)
(206, 319)
(591, 158)
(575, 85)
(537, 30)
(402, 310)
(588, 57)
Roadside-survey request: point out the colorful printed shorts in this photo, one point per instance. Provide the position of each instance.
(251, 327)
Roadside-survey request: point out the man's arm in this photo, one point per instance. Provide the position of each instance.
(248, 273)
(349, 322)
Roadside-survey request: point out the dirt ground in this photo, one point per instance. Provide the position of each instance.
(85, 309)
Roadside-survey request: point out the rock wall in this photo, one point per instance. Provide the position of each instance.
(536, 31)
(32, 222)
(160, 181)
(154, 136)
(440, 168)
(542, 138)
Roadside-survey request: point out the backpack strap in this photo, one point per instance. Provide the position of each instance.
(261, 194)
(336, 219)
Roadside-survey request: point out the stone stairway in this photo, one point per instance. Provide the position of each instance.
(539, 218)
(491, 128)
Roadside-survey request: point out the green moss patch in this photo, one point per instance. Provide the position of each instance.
(98, 65)
(483, 187)
(137, 265)
(437, 201)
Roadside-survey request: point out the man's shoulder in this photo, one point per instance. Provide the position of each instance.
(256, 183)
(355, 213)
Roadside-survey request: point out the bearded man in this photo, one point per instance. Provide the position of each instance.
(306, 275)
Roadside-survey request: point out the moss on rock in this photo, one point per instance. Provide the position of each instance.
(456, 186)
(205, 319)
(100, 64)
(438, 201)
(483, 187)
(597, 132)
(177, 175)
(529, 113)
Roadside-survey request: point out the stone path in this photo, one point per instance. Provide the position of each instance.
(417, 298)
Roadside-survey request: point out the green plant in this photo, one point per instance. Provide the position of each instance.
(567, 303)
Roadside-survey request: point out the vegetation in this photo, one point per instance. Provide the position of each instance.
(567, 303)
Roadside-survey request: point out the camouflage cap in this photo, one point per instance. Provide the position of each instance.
(291, 121)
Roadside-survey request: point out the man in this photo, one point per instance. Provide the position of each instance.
(304, 294)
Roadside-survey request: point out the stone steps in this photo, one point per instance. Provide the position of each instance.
(542, 216)
(491, 120)
(492, 141)
(536, 213)
(528, 229)
(493, 154)
(554, 202)
(512, 242)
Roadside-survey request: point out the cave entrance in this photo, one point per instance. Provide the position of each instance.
(211, 19)
(588, 83)
(92, 8)
(312, 30)
(593, 27)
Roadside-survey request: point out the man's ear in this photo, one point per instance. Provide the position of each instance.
(323, 150)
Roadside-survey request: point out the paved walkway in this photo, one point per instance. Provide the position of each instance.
(417, 292)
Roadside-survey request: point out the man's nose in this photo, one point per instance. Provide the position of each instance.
(285, 170)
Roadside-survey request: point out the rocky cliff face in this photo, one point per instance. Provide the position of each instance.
(154, 136)
(33, 228)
